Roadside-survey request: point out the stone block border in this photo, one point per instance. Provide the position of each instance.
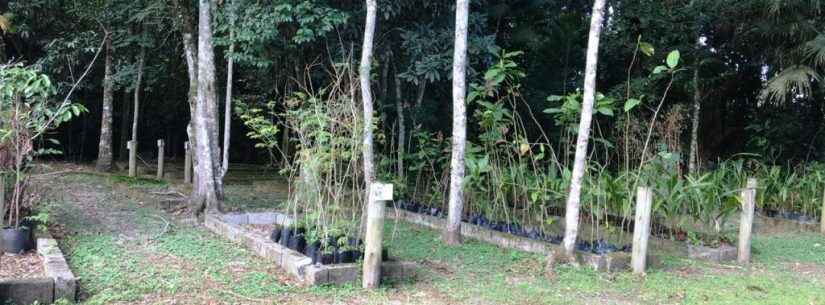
(717, 255)
(58, 283)
(611, 262)
(296, 264)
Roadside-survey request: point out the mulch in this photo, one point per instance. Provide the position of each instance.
(21, 266)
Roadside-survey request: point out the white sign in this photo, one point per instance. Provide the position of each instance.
(381, 191)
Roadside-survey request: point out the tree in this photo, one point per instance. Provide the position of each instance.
(104, 152)
(227, 117)
(693, 152)
(136, 112)
(452, 234)
(402, 142)
(207, 194)
(366, 96)
(571, 218)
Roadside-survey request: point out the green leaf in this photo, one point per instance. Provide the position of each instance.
(605, 111)
(673, 59)
(631, 103)
(647, 48)
(659, 69)
(554, 98)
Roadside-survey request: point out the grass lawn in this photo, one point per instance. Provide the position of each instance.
(128, 251)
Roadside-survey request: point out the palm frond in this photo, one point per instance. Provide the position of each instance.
(795, 80)
(5, 23)
(815, 50)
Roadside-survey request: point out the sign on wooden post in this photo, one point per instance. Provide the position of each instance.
(641, 229)
(187, 163)
(746, 224)
(161, 155)
(376, 203)
(132, 146)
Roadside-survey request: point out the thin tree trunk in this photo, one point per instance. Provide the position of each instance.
(571, 227)
(366, 94)
(372, 259)
(693, 154)
(136, 113)
(104, 149)
(452, 235)
(399, 109)
(124, 126)
(227, 117)
(208, 190)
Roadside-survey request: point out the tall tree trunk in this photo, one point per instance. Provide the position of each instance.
(452, 235)
(208, 190)
(571, 219)
(366, 94)
(136, 112)
(227, 117)
(104, 148)
(123, 155)
(399, 109)
(693, 154)
(186, 26)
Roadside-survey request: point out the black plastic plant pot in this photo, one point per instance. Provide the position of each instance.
(354, 242)
(286, 233)
(327, 258)
(16, 241)
(297, 242)
(347, 257)
(276, 235)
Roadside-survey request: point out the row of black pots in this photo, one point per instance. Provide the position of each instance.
(325, 253)
(596, 247)
(791, 215)
(419, 208)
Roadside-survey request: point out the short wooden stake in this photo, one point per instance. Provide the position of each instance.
(641, 229)
(161, 144)
(376, 203)
(187, 163)
(132, 146)
(746, 224)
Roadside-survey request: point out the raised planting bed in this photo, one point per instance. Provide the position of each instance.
(49, 280)
(606, 262)
(724, 252)
(772, 221)
(240, 228)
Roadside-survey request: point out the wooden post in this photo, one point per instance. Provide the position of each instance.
(132, 146)
(641, 229)
(161, 144)
(822, 215)
(376, 203)
(187, 163)
(2, 200)
(746, 224)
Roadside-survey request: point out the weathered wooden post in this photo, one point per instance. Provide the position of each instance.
(376, 203)
(132, 146)
(822, 215)
(2, 199)
(187, 163)
(746, 224)
(161, 144)
(641, 229)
